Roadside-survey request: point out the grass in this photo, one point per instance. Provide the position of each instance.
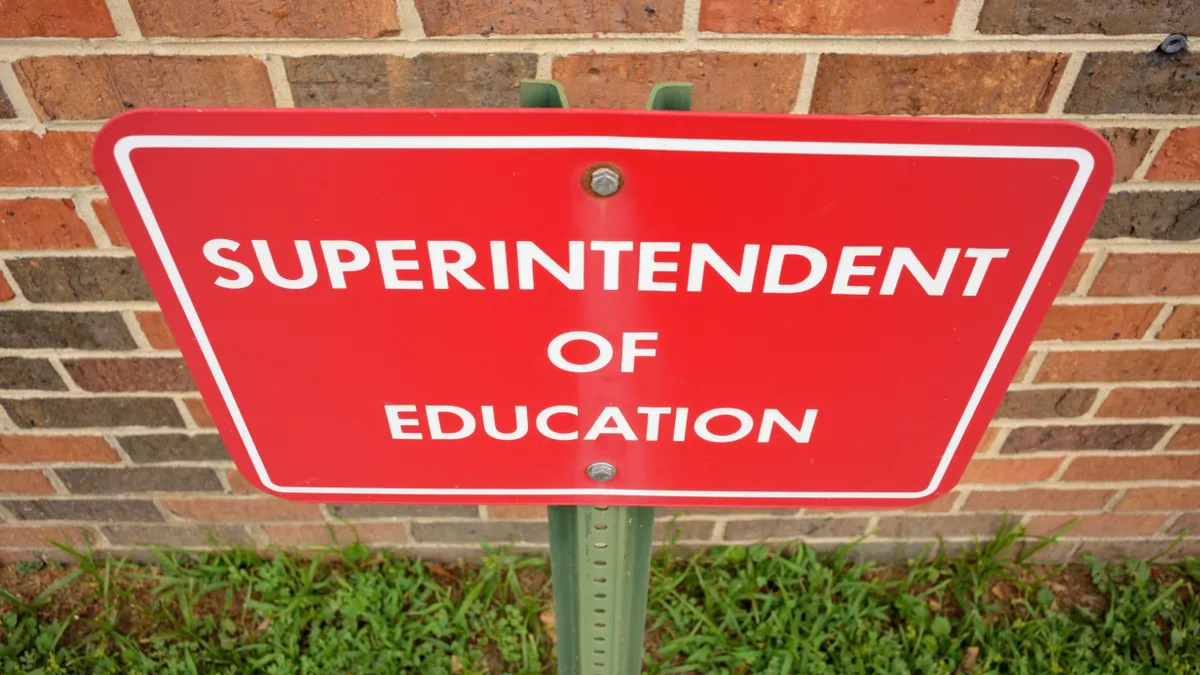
(729, 610)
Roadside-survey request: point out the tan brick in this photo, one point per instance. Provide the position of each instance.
(1170, 215)
(1098, 322)
(834, 17)
(156, 330)
(722, 81)
(24, 482)
(1183, 324)
(937, 84)
(92, 411)
(41, 223)
(516, 512)
(794, 528)
(101, 86)
(267, 18)
(1146, 467)
(1129, 148)
(1108, 17)
(126, 375)
(45, 449)
(1038, 499)
(1045, 403)
(23, 536)
(1161, 499)
(178, 535)
(1096, 525)
(1133, 274)
(230, 510)
(338, 535)
(997, 471)
(238, 484)
(424, 81)
(1136, 82)
(108, 220)
(1136, 402)
(906, 527)
(1084, 437)
(502, 17)
(58, 158)
(1162, 550)
(199, 413)
(37, 329)
(468, 532)
(1121, 366)
(55, 18)
(1187, 438)
(1188, 523)
(1179, 157)
(1075, 274)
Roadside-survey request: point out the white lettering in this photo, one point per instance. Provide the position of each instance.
(703, 254)
(397, 423)
(630, 350)
(817, 266)
(652, 417)
(847, 269)
(308, 265)
(983, 258)
(529, 253)
(903, 258)
(601, 425)
(389, 266)
(332, 250)
(772, 417)
(212, 252)
(554, 351)
(433, 417)
(612, 260)
(441, 270)
(543, 422)
(745, 425)
(647, 265)
(489, 423)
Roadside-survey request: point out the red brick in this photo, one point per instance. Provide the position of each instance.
(267, 18)
(1132, 274)
(231, 510)
(1023, 369)
(1129, 148)
(125, 375)
(1179, 157)
(1146, 467)
(1183, 324)
(1038, 499)
(55, 18)
(516, 512)
(336, 535)
(832, 17)
(941, 504)
(21, 536)
(1135, 402)
(108, 220)
(6, 291)
(1096, 525)
(987, 440)
(1097, 322)
(722, 82)
(1188, 523)
(997, 471)
(44, 449)
(41, 223)
(24, 482)
(101, 86)
(239, 485)
(156, 330)
(1075, 274)
(1121, 366)
(1161, 499)
(504, 17)
(1187, 438)
(58, 158)
(199, 413)
(936, 84)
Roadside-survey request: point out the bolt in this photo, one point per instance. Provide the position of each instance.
(601, 471)
(1174, 44)
(604, 181)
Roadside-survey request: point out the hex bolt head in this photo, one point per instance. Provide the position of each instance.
(1174, 44)
(601, 471)
(603, 181)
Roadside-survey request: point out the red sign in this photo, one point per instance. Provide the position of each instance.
(437, 306)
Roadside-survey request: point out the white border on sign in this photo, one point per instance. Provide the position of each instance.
(125, 146)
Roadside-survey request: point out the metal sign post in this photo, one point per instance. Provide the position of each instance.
(600, 555)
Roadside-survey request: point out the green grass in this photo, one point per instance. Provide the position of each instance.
(730, 610)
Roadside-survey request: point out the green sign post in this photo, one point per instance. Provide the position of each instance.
(600, 555)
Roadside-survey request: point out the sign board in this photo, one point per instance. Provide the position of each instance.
(437, 306)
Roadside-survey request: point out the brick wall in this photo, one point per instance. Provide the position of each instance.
(103, 436)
